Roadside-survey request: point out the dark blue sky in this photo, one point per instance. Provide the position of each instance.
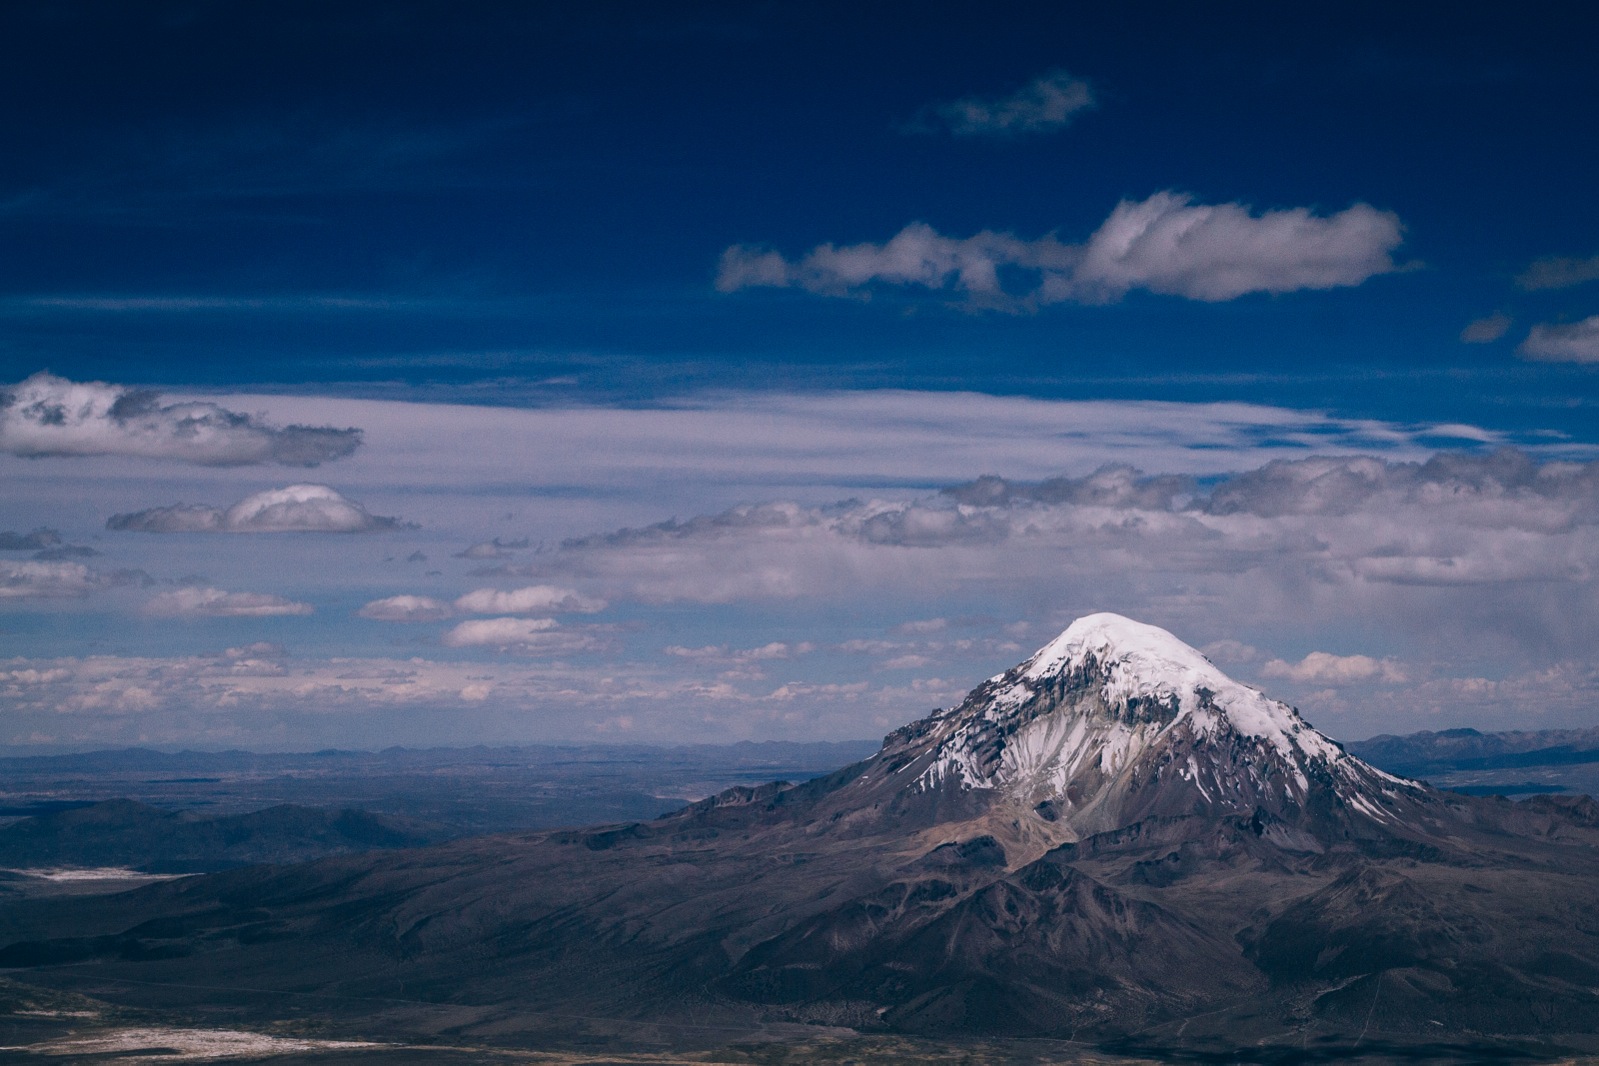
(736, 290)
(452, 193)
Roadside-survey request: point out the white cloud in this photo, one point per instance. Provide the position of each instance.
(1166, 244)
(721, 653)
(1230, 651)
(1485, 330)
(407, 609)
(197, 602)
(1556, 272)
(534, 599)
(30, 580)
(1324, 668)
(47, 415)
(1574, 342)
(536, 636)
(1047, 103)
(292, 509)
(497, 632)
(256, 653)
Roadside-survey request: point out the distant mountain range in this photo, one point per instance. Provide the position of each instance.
(1453, 751)
(1110, 842)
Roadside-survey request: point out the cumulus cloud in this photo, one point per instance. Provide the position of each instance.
(46, 415)
(1574, 342)
(1557, 272)
(536, 636)
(1324, 668)
(292, 509)
(534, 599)
(48, 580)
(196, 602)
(1485, 330)
(407, 609)
(1166, 244)
(1049, 102)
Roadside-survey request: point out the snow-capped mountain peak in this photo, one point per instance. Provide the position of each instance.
(1115, 719)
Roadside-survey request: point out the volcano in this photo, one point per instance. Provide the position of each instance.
(1110, 841)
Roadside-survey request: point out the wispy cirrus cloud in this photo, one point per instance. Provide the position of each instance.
(1569, 342)
(47, 415)
(1166, 244)
(205, 602)
(1047, 103)
(292, 509)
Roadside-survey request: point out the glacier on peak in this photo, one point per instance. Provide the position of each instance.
(1142, 661)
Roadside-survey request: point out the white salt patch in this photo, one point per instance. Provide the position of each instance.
(91, 873)
(187, 1045)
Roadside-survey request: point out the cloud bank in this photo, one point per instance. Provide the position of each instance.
(292, 509)
(1166, 244)
(1047, 103)
(50, 416)
(1498, 549)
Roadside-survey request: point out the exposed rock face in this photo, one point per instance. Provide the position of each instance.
(1112, 838)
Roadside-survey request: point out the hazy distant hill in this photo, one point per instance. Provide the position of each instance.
(463, 790)
(125, 833)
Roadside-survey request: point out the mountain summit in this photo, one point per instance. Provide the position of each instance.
(1115, 721)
